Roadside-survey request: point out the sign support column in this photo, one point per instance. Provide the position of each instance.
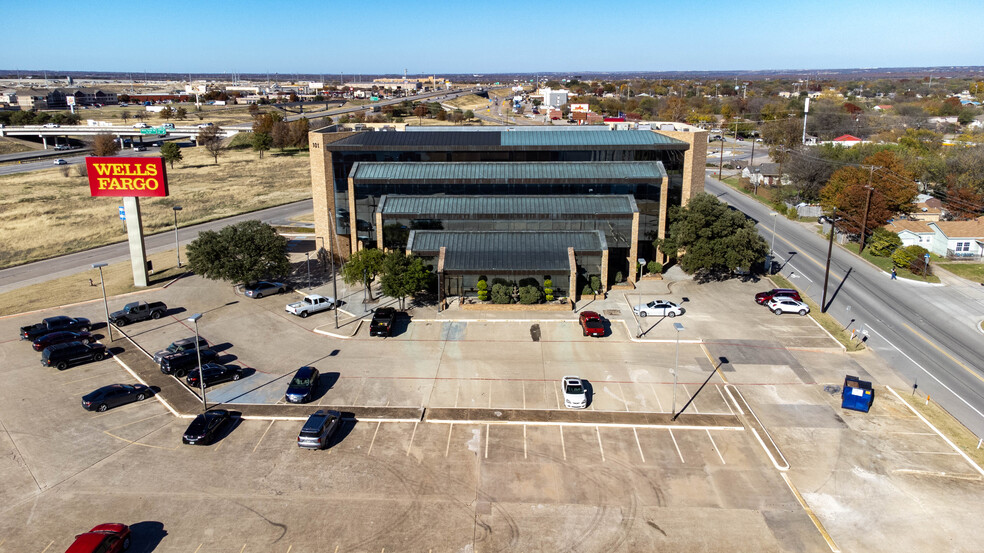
(134, 234)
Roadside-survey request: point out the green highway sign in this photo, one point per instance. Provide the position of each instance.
(153, 131)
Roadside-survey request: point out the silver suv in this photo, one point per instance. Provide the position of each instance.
(318, 430)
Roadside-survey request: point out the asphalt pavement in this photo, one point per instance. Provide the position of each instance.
(57, 267)
(928, 333)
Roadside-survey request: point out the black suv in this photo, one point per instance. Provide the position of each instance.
(382, 322)
(178, 346)
(71, 353)
(318, 430)
(179, 364)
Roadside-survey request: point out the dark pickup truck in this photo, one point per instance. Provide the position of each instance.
(382, 322)
(54, 324)
(138, 311)
(180, 363)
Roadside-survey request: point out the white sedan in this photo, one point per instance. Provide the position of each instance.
(658, 308)
(786, 305)
(575, 396)
(60, 161)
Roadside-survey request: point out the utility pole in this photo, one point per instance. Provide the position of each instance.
(867, 205)
(721, 161)
(806, 112)
(830, 250)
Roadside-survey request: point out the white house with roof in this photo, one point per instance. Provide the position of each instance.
(950, 239)
(912, 233)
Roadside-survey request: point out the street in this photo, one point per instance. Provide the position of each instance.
(926, 332)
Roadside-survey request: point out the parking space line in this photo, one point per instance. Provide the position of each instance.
(243, 549)
(49, 545)
(621, 392)
(486, 441)
(289, 547)
(524, 444)
(600, 447)
(816, 521)
(456, 390)
(730, 410)
(675, 445)
(258, 442)
(557, 397)
(714, 445)
(935, 452)
(136, 421)
(412, 434)
(562, 446)
(658, 402)
(448, 448)
(199, 547)
(378, 424)
(639, 445)
(693, 399)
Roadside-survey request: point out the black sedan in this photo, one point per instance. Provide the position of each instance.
(61, 337)
(115, 395)
(205, 428)
(264, 288)
(303, 385)
(214, 374)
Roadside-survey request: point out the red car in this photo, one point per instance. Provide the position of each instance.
(763, 298)
(105, 538)
(592, 324)
(61, 337)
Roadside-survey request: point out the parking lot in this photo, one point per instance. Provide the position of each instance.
(491, 486)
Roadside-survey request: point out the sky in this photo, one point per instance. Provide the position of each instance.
(437, 36)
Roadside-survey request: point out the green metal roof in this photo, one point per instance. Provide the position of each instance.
(478, 206)
(576, 171)
(523, 252)
(586, 138)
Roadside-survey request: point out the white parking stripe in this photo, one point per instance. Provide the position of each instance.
(675, 445)
(621, 392)
(639, 445)
(412, 434)
(658, 403)
(448, 448)
(692, 403)
(726, 402)
(714, 445)
(258, 442)
(456, 390)
(487, 440)
(600, 447)
(562, 446)
(378, 424)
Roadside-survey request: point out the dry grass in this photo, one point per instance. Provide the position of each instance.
(219, 115)
(469, 101)
(15, 146)
(949, 426)
(76, 288)
(46, 213)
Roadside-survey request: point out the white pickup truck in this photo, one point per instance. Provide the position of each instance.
(311, 304)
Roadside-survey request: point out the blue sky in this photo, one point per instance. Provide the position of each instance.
(432, 36)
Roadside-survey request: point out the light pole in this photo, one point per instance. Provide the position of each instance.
(177, 248)
(676, 367)
(198, 350)
(109, 327)
(308, 256)
(772, 248)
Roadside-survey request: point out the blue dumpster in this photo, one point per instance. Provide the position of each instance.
(857, 394)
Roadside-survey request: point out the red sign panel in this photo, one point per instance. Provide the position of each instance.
(126, 176)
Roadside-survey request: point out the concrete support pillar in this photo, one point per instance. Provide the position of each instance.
(44, 141)
(440, 279)
(604, 271)
(634, 249)
(134, 232)
(664, 199)
(572, 284)
(353, 229)
(379, 230)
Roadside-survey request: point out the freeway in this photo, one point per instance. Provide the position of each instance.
(928, 333)
(56, 267)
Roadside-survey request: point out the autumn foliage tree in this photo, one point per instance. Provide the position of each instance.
(893, 190)
(105, 145)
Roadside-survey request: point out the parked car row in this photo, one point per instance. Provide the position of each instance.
(782, 300)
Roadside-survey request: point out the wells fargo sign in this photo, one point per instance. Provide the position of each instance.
(126, 176)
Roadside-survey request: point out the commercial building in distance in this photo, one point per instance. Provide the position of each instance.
(606, 191)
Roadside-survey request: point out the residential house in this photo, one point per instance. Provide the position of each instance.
(29, 98)
(958, 239)
(928, 208)
(846, 140)
(765, 174)
(912, 233)
(882, 107)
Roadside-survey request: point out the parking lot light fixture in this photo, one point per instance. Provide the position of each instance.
(100, 266)
(772, 248)
(676, 367)
(198, 350)
(177, 248)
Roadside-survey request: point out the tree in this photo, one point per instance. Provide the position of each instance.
(420, 111)
(181, 114)
(171, 152)
(124, 115)
(963, 203)
(782, 136)
(253, 110)
(712, 237)
(209, 138)
(892, 192)
(363, 266)
(469, 115)
(299, 133)
(240, 253)
(281, 135)
(262, 142)
(105, 145)
(403, 275)
(167, 113)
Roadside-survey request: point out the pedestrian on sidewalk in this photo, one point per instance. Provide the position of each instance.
(894, 276)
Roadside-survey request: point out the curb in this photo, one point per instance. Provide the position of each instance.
(76, 304)
(341, 336)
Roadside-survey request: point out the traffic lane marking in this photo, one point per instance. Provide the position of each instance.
(939, 349)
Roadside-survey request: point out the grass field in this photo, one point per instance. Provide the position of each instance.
(49, 212)
(469, 101)
(945, 423)
(15, 146)
(969, 271)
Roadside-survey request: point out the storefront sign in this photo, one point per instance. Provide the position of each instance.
(126, 176)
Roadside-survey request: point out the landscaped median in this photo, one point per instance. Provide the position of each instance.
(825, 320)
